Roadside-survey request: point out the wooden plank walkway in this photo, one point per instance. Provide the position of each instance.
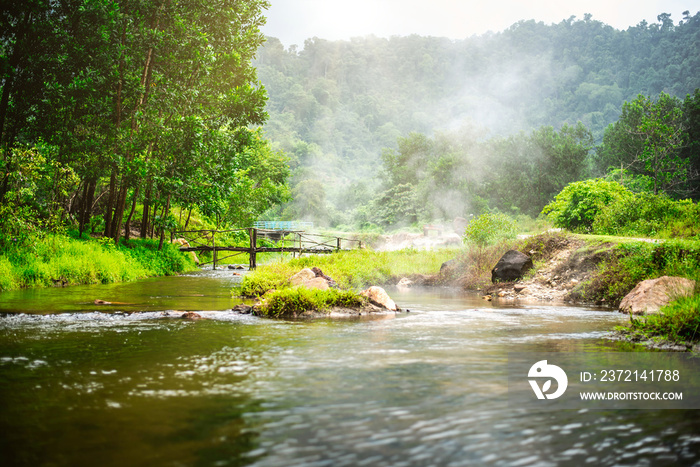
(296, 242)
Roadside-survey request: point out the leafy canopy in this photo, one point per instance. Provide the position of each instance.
(577, 206)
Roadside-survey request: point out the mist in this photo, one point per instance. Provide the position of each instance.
(495, 109)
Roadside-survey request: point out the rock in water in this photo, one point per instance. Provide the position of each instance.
(320, 274)
(650, 295)
(243, 309)
(191, 315)
(379, 297)
(511, 267)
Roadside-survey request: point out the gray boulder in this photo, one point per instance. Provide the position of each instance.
(511, 267)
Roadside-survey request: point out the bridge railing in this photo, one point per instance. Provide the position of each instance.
(283, 225)
(285, 241)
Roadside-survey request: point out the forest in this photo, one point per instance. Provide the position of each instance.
(130, 117)
(114, 113)
(384, 133)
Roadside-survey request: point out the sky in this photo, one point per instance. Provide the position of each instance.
(294, 21)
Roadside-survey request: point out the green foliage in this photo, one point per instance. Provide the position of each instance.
(679, 321)
(490, 228)
(649, 215)
(268, 277)
(577, 206)
(398, 206)
(32, 182)
(350, 269)
(52, 259)
(631, 263)
(648, 142)
(140, 101)
(295, 301)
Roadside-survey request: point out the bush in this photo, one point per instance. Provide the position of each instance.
(631, 263)
(490, 228)
(576, 206)
(292, 301)
(679, 321)
(647, 214)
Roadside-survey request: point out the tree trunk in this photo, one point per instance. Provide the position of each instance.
(187, 222)
(146, 207)
(110, 203)
(166, 211)
(127, 224)
(89, 201)
(119, 210)
(82, 209)
(153, 223)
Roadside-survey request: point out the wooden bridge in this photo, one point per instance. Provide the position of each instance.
(285, 241)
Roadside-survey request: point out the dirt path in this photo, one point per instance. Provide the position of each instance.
(560, 268)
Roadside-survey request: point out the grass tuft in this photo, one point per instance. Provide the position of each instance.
(293, 301)
(679, 321)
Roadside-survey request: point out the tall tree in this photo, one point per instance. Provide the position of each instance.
(648, 140)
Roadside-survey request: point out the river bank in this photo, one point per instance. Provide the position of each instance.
(568, 269)
(55, 260)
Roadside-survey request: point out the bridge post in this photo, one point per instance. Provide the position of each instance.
(253, 234)
(213, 245)
(338, 247)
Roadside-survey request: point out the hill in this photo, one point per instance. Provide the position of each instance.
(336, 104)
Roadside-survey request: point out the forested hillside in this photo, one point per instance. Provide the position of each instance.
(334, 107)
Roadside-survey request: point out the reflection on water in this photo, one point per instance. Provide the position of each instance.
(426, 387)
(200, 290)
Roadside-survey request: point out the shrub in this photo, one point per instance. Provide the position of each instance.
(490, 228)
(292, 301)
(576, 206)
(631, 263)
(647, 214)
(679, 321)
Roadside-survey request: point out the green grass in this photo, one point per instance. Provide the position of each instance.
(53, 259)
(293, 301)
(590, 238)
(632, 262)
(350, 269)
(679, 321)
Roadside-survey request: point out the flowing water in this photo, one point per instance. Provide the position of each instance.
(132, 384)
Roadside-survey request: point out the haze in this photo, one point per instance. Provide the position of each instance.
(294, 21)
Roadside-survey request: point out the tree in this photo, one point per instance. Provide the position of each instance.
(691, 151)
(137, 97)
(662, 129)
(647, 141)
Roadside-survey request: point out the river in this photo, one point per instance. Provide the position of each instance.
(132, 384)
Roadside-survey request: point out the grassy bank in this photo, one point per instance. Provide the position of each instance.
(678, 322)
(55, 260)
(350, 269)
(632, 261)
